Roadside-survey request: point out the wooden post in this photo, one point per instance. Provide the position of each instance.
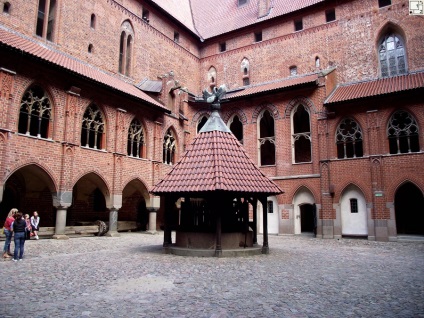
(218, 247)
(255, 221)
(167, 238)
(265, 247)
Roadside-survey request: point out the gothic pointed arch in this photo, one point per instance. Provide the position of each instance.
(136, 142)
(301, 134)
(270, 107)
(126, 44)
(169, 147)
(299, 100)
(391, 50)
(266, 138)
(36, 113)
(93, 128)
(403, 133)
(349, 139)
(212, 77)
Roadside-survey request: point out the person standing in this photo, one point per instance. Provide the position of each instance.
(28, 227)
(35, 224)
(19, 226)
(8, 232)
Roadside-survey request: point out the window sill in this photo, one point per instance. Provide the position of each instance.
(35, 137)
(138, 158)
(302, 163)
(93, 149)
(266, 166)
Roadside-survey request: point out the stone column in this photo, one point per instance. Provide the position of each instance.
(115, 205)
(59, 230)
(62, 201)
(113, 223)
(154, 207)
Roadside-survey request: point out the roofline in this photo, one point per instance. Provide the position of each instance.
(326, 103)
(175, 20)
(32, 56)
(371, 97)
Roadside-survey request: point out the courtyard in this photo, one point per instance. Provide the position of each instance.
(129, 276)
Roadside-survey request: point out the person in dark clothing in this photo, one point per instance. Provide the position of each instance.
(19, 226)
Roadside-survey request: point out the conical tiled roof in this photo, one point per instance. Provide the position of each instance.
(215, 161)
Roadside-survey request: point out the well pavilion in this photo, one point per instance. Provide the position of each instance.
(214, 183)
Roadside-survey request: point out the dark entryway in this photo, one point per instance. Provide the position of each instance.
(409, 210)
(307, 218)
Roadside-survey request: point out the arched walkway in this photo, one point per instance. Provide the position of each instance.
(29, 189)
(88, 201)
(409, 210)
(135, 197)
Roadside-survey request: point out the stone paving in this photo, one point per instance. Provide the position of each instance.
(128, 276)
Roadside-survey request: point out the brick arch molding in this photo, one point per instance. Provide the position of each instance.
(271, 107)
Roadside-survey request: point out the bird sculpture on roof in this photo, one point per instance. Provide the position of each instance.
(215, 96)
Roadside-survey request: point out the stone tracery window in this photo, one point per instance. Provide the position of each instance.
(392, 55)
(136, 146)
(125, 48)
(301, 134)
(169, 147)
(92, 132)
(266, 139)
(349, 139)
(403, 133)
(35, 113)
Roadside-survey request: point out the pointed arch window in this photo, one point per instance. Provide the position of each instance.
(125, 48)
(46, 18)
(236, 127)
(35, 113)
(212, 77)
(169, 147)
(245, 69)
(136, 146)
(92, 132)
(403, 133)
(349, 139)
(266, 139)
(301, 134)
(392, 57)
(202, 121)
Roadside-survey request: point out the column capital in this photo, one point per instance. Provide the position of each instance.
(62, 199)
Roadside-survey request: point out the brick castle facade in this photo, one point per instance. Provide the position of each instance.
(98, 101)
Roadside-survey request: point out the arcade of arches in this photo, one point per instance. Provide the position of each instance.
(31, 189)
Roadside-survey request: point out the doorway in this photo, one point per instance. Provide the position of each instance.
(307, 218)
(409, 210)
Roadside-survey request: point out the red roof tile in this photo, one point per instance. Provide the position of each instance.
(30, 46)
(275, 85)
(381, 86)
(216, 161)
(212, 18)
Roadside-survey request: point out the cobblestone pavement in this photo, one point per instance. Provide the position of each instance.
(128, 276)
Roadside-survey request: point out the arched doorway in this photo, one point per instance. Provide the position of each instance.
(88, 201)
(409, 210)
(29, 189)
(135, 197)
(353, 210)
(304, 209)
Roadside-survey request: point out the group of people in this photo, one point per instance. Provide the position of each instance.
(22, 227)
